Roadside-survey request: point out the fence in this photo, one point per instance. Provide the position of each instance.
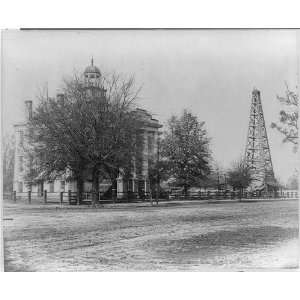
(71, 197)
(217, 195)
(35, 197)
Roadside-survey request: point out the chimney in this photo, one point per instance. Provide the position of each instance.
(28, 107)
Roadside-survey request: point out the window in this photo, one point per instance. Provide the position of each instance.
(51, 187)
(151, 143)
(20, 187)
(62, 185)
(21, 142)
(20, 163)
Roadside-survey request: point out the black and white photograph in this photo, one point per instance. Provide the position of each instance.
(150, 150)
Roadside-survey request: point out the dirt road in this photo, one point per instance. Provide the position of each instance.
(194, 236)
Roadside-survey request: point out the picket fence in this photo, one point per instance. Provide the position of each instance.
(71, 197)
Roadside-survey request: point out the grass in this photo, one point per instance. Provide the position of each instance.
(190, 236)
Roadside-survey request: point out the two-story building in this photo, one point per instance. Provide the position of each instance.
(138, 183)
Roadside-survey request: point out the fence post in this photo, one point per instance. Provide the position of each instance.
(113, 193)
(78, 198)
(15, 196)
(45, 196)
(61, 197)
(29, 197)
(69, 196)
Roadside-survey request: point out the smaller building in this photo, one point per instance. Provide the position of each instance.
(137, 185)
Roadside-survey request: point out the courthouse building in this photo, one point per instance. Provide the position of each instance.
(138, 183)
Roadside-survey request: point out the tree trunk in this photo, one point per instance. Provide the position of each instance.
(241, 193)
(114, 189)
(79, 189)
(95, 186)
(150, 196)
(113, 179)
(157, 192)
(185, 189)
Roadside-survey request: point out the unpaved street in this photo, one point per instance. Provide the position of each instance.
(185, 236)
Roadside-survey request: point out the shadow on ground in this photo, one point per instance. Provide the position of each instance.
(210, 246)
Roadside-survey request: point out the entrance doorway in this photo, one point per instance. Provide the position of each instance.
(141, 189)
(41, 189)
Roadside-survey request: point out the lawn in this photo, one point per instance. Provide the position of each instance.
(186, 236)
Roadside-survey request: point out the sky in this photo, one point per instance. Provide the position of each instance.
(210, 72)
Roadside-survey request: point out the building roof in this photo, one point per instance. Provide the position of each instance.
(146, 118)
(92, 69)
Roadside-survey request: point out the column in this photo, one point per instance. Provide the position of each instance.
(145, 163)
(155, 145)
(120, 187)
(134, 180)
(145, 154)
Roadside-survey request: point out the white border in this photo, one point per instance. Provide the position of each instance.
(162, 14)
(149, 14)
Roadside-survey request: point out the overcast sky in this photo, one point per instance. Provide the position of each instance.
(210, 72)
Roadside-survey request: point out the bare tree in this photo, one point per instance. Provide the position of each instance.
(216, 178)
(111, 128)
(86, 131)
(54, 142)
(288, 125)
(239, 176)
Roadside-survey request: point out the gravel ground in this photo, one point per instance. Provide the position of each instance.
(180, 236)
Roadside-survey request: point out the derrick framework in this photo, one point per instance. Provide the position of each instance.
(257, 154)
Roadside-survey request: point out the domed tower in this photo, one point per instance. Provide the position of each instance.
(93, 81)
